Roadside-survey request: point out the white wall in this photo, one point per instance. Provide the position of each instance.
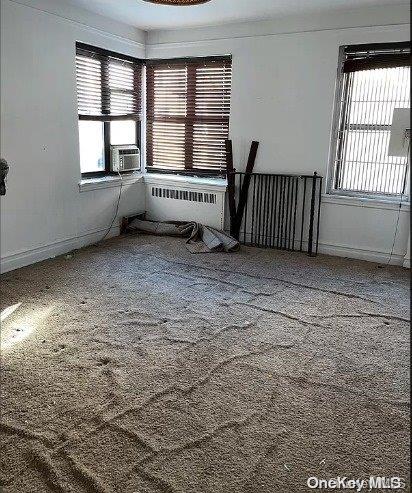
(43, 212)
(283, 94)
(92, 21)
(283, 88)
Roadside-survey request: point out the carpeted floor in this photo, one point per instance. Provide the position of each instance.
(136, 367)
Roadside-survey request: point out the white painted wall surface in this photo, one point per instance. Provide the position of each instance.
(283, 90)
(70, 12)
(283, 95)
(44, 213)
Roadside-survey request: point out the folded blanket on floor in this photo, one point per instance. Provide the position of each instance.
(201, 239)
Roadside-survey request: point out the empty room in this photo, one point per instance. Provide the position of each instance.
(205, 246)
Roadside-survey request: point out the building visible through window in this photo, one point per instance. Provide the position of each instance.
(373, 81)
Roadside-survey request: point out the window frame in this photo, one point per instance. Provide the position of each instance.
(106, 123)
(336, 141)
(188, 170)
(106, 144)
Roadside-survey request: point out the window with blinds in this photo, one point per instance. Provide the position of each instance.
(108, 85)
(188, 107)
(373, 81)
(109, 95)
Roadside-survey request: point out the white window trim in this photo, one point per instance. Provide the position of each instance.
(373, 203)
(100, 182)
(367, 196)
(179, 181)
(182, 181)
(335, 126)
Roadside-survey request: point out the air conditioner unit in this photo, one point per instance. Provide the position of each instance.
(124, 158)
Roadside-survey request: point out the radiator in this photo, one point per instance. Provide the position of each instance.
(185, 202)
(189, 195)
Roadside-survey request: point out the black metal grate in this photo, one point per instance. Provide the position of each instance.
(282, 211)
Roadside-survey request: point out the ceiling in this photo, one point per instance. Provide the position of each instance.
(149, 16)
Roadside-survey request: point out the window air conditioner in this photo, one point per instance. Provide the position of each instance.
(125, 158)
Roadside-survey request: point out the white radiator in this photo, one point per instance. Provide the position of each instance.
(185, 199)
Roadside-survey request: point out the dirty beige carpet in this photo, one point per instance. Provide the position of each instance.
(136, 367)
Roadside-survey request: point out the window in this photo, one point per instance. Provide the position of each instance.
(109, 105)
(91, 139)
(373, 80)
(188, 106)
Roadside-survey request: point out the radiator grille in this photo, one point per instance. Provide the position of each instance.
(167, 193)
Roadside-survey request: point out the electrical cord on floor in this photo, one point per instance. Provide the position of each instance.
(117, 209)
(396, 233)
(397, 223)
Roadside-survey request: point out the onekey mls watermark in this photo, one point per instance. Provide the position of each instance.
(357, 484)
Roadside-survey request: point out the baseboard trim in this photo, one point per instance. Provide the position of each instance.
(355, 253)
(360, 254)
(22, 259)
(15, 261)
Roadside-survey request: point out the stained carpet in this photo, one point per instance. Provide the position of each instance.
(137, 367)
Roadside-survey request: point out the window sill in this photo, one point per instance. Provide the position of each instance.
(372, 202)
(101, 182)
(195, 182)
(98, 183)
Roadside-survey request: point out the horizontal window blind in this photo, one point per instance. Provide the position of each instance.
(370, 91)
(375, 56)
(109, 86)
(188, 107)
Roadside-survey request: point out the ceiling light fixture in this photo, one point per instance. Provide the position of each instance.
(178, 2)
